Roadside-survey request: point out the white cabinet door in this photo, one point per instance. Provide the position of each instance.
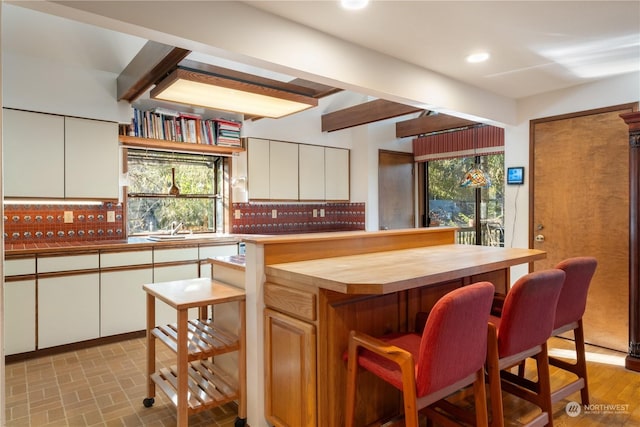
(164, 313)
(311, 172)
(258, 168)
(68, 309)
(33, 154)
(19, 316)
(91, 159)
(336, 174)
(283, 170)
(123, 301)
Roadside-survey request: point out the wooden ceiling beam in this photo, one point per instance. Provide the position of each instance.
(429, 124)
(153, 61)
(249, 78)
(362, 114)
(320, 90)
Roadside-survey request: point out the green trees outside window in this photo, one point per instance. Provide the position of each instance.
(479, 213)
(199, 205)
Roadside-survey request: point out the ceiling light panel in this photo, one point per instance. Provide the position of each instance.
(219, 93)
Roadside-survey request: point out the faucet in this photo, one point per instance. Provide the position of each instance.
(176, 228)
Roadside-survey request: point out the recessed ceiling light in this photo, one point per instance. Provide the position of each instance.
(477, 57)
(354, 4)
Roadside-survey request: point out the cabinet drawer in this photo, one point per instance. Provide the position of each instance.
(218, 250)
(121, 259)
(68, 263)
(174, 255)
(292, 301)
(19, 267)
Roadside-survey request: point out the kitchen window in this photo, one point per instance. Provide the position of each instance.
(199, 205)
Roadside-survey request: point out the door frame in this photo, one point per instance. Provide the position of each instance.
(413, 183)
(532, 124)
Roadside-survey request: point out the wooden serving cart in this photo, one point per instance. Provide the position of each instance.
(195, 383)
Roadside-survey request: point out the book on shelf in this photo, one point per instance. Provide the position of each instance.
(228, 132)
(169, 125)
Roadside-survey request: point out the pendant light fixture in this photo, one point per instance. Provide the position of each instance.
(475, 177)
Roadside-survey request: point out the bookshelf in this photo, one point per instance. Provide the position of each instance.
(185, 147)
(169, 130)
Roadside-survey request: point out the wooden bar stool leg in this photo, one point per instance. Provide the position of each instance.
(544, 383)
(581, 362)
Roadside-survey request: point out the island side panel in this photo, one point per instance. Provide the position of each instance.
(305, 247)
(338, 315)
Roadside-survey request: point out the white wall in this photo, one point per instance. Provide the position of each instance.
(51, 87)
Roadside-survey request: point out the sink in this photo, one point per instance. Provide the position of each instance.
(165, 237)
(190, 236)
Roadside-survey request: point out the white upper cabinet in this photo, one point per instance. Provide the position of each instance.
(91, 159)
(51, 156)
(33, 154)
(283, 170)
(311, 171)
(258, 168)
(290, 171)
(336, 172)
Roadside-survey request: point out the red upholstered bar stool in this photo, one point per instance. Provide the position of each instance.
(571, 305)
(522, 331)
(449, 355)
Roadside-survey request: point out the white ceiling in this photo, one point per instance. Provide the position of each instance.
(535, 46)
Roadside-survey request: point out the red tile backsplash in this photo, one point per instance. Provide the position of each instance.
(297, 218)
(45, 223)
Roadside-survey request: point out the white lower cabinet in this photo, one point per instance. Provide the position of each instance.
(205, 252)
(164, 313)
(19, 316)
(123, 301)
(68, 309)
(84, 296)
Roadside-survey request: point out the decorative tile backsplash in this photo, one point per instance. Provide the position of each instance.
(25, 224)
(46, 223)
(282, 218)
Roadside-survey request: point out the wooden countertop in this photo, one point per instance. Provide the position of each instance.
(392, 271)
(183, 294)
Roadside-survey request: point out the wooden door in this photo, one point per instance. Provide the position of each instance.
(395, 190)
(580, 206)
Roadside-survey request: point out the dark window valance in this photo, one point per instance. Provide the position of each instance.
(477, 141)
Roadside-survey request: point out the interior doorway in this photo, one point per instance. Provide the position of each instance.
(396, 207)
(580, 206)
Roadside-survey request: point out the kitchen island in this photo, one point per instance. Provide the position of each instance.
(311, 290)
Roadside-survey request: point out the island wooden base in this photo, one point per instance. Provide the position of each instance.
(319, 288)
(309, 330)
